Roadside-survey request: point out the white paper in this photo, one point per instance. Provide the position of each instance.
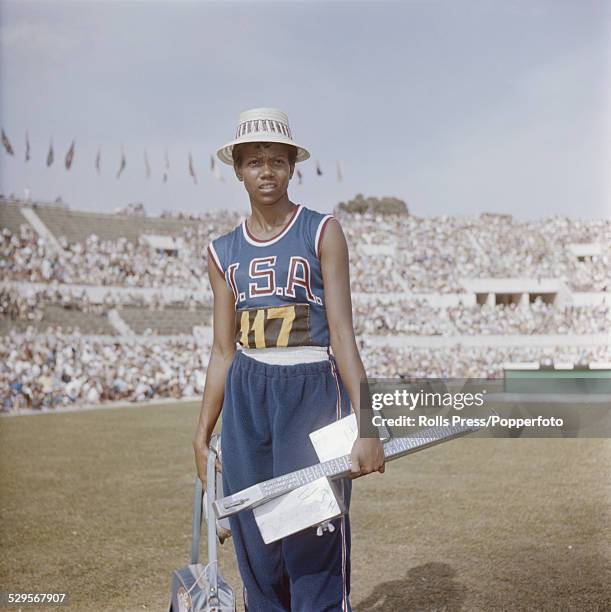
(335, 440)
(304, 507)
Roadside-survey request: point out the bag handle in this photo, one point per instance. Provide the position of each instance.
(197, 515)
(197, 520)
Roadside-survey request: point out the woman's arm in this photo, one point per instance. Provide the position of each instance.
(367, 454)
(221, 355)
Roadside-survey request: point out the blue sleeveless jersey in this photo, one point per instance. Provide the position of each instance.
(277, 283)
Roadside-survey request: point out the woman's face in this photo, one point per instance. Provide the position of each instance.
(265, 170)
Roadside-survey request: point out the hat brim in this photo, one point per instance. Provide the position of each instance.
(225, 153)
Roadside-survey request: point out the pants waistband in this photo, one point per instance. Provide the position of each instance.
(289, 355)
(244, 362)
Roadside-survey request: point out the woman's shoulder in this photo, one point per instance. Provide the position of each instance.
(229, 236)
(315, 224)
(315, 215)
(224, 245)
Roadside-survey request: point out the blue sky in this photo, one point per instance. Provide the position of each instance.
(457, 107)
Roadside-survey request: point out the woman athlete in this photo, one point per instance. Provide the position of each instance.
(281, 290)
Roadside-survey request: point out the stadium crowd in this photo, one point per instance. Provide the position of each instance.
(417, 317)
(30, 306)
(468, 361)
(46, 371)
(422, 255)
(432, 255)
(414, 317)
(397, 254)
(26, 257)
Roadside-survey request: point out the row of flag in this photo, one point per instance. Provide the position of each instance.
(69, 159)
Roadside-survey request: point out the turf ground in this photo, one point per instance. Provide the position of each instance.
(98, 504)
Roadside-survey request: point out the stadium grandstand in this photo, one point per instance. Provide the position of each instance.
(116, 307)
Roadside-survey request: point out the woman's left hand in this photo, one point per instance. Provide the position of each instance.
(367, 456)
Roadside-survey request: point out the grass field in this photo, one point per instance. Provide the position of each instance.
(98, 504)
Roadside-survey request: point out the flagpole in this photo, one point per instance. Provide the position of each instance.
(26, 170)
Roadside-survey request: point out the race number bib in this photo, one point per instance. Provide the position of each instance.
(274, 326)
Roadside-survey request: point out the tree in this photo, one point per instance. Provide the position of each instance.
(383, 206)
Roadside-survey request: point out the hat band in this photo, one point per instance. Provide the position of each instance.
(256, 126)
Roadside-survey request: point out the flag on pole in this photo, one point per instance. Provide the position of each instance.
(98, 159)
(27, 147)
(299, 176)
(318, 170)
(147, 166)
(7, 144)
(70, 156)
(191, 169)
(123, 163)
(50, 155)
(216, 169)
(167, 167)
(339, 173)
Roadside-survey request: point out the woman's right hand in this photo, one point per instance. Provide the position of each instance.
(202, 450)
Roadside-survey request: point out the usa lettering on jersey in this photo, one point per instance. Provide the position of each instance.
(262, 279)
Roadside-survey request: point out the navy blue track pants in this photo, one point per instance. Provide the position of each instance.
(268, 412)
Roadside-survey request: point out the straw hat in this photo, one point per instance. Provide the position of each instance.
(261, 125)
